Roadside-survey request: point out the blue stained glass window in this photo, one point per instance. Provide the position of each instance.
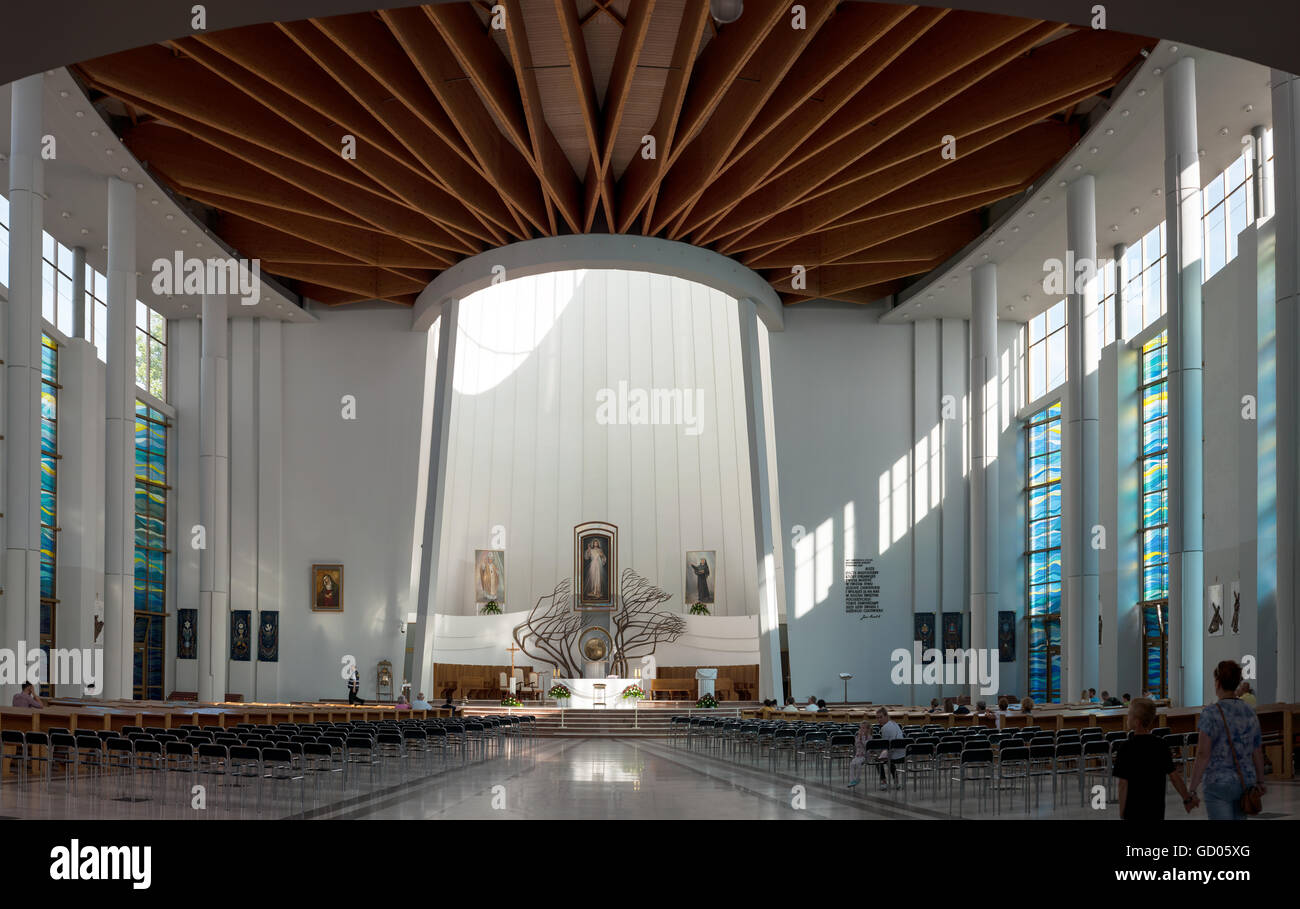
(151, 489)
(49, 494)
(1044, 553)
(1154, 514)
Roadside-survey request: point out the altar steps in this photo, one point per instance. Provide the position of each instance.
(600, 722)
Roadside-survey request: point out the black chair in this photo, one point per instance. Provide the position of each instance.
(245, 763)
(211, 763)
(976, 767)
(38, 752)
(1013, 768)
(279, 766)
(361, 750)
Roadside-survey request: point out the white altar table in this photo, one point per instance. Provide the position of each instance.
(584, 692)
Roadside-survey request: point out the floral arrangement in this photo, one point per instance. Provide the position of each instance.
(511, 701)
(699, 609)
(708, 701)
(634, 691)
(491, 607)
(559, 692)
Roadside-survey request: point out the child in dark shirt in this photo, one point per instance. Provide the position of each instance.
(1142, 764)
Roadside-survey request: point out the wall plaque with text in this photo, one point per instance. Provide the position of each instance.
(862, 588)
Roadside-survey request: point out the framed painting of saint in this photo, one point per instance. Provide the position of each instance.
(268, 636)
(952, 631)
(701, 565)
(241, 634)
(595, 566)
(490, 576)
(327, 588)
(1006, 636)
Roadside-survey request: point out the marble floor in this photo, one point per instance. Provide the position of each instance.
(571, 779)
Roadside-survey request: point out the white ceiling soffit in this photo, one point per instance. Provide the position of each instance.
(76, 203)
(1124, 151)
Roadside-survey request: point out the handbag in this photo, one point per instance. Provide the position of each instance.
(1252, 800)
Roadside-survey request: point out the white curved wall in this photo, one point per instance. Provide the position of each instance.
(528, 455)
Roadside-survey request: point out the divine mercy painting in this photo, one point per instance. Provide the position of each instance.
(594, 568)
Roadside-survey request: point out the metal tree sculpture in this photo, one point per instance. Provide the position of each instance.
(549, 633)
(638, 626)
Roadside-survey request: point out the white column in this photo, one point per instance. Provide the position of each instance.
(214, 500)
(436, 487)
(119, 436)
(1079, 457)
(1186, 497)
(1286, 208)
(984, 431)
(270, 423)
(22, 372)
(762, 491)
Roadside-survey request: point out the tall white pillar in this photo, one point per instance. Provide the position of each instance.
(119, 436)
(1186, 459)
(22, 372)
(214, 499)
(762, 489)
(984, 431)
(1286, 208)
(1080, 455)
(435, 495)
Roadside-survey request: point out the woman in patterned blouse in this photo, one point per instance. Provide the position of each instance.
(1229, 723)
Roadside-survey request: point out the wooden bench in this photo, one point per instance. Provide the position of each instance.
(671, 687)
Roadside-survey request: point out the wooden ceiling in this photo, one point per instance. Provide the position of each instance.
(818, 147)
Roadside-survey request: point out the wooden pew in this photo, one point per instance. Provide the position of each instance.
(670, 687)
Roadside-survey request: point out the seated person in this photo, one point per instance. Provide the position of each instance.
(790, 706)
(811, 706)
(1092, 696)
(1127, 699)
(1108, 701)
(821, 705)
(1083, 696)
(401, 703)
(958, 709)
(1245, 693)
(420, 703)
(934, 706)
(26, 697)
(448, 705)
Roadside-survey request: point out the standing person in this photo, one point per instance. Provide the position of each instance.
(1229, 753)
(1142, 764)
(859, 750)
(354, 688)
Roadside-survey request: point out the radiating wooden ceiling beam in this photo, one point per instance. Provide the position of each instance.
(452, 165)
(830, 245)
(681, 115)
(875, 115)
(941, 240)
(380, 161)
(378, 283)
(363, 247)
(740, 104)
(861, 296)
(828, 280)
(1001, 157)
(875, 35)
(499, 160)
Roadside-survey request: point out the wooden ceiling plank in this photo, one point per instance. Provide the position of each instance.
(941, 240)
(551, 163)
(622, 75)
(740, 104)
(595, 191)
(643, 174)
(445, 163)
(506, 166)
(270, 242)
(878, 33)
(378, 282)
(378, 163)
(829, 280)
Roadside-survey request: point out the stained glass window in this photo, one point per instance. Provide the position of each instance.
(150, 549)
(1154, 517)
(1044, 554)
(49, 494)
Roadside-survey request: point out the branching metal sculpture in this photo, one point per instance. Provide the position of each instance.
(638, 625)
(550, 633)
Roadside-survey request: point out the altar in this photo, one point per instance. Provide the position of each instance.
(586, 694)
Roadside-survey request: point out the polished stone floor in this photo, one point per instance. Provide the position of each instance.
(570, 779)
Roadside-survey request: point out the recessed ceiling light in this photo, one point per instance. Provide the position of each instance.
(1135, 211)
(1125, 112)
(1223, 130)
(986, 255)
(94, 132)
(1173, 48)
(185, 306)
(139, 186)
(63, 93)
(1110, 130)
(198, 243)
(109, 152)
(104, 247)
(1156, 191)
(79, 114)
(1063, 183)
(1001, 241)
(928, 297)
(1078, 167)
(1046, 199)
(1025, 298)
(1093, 150)
(1015, 228)
(65, 214)
(1248, 108)
(1114, 228)
(185, 230)
(153, 201)
(1029, 214)
(169, 216)
(1200, 152)
(1142, 92)
(85, 230)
